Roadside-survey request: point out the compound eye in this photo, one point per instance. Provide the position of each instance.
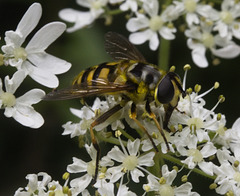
(165, 90)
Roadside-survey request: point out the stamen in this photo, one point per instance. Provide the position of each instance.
(185, 68)
(215, 86)
(123, 148)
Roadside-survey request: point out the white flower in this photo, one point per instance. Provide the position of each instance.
(228, 173)
(21, 108)
(82, 19)
(196, 156)
(195, 10)
(79, 166)
(41, 184)
(126, 4)
(228, 23)
(230, 138)
(130, 161)
(164, 186)
(39, 65)
(201, 39)
(195, 118)
(107, 189)
(153, 24)
(35, 185)
(87, 115)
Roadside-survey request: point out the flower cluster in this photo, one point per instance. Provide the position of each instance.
(196, 140)
(32, 61)
(205, 27)
(42, 184)
(198, 133)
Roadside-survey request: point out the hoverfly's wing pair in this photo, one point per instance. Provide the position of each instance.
(119, 48)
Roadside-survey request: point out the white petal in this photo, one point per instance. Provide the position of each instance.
(141, 37)
(116, 173)
(133, 147)
(207, 167)
(41, 76)
(136, 173)
(222, 29)
(183, 190)
(49, 63)
(13, 83)
(154, 42)
(31, 97)
(45, 36)
(13, 40)
(30, 20)
(208, 150)
(198, 55)
(236, 31)
(208, 12)
(77, 166)
(236, 124)
(27, 116)
(134, 24)
(84, 3)
(81, 19)
(147, 159)
(230, 51)
(116, 154)
(167, 33)
(192, 18)
(81, 183)
(151, 7)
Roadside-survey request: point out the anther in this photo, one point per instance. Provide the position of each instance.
(187, 67)
(212, 186)
(216, 85)
(172, 68)
(221, 99)
(197, 88)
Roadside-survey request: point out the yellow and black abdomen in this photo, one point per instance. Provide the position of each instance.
(97, 74)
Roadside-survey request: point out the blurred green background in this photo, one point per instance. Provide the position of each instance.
(24, 150)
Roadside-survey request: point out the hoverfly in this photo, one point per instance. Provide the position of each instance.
(130, 77)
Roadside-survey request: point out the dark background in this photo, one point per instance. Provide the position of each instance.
(24, 150)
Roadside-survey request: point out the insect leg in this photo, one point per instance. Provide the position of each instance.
(168, 113)
(153, 116)
(98, 121)
(133, 115)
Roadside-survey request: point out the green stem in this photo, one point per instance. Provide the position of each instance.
(114, 12)
(127, 135)
(158, 163)
(111, 140)
(164, 54)
(177, 161)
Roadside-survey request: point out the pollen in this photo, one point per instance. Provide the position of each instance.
(197, 123)
(208, 40)
(166, 190)
(156, 23)
(91, 168)
(96, 4)
(146, 188)
(187, 67)
(130, 162)
(236, 177)
(8, 99)
(216, 85)
(190, 5)
(196, 154)
(20, 53)
(226, 17)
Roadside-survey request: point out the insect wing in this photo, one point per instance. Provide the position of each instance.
(86, 90)
(119, 48)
